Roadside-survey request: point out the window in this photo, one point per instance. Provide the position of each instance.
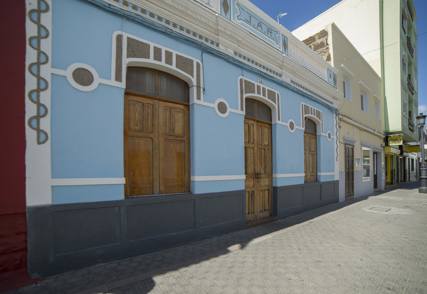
(346, 85)
(366, 162)
(412, 164)
(364, 102)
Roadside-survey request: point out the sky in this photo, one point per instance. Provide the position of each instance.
(301, 11)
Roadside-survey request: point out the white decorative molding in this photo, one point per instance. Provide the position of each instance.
(218, 178)
(87, 181)
(314, 113)
(64, 73)
(217, 101)
(194, 81)
(289, 175)
(261, 93)
(182, 17)
(326, 173)
(69, 75)
(38, 86)
(290, 123)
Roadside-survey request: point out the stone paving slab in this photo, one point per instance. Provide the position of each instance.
(375, 245)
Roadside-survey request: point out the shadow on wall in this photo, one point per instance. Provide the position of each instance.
(136, 274)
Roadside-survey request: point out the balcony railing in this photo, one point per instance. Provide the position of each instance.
(410, 47)
(411, 85)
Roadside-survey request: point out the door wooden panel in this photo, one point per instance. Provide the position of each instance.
(258, 169)
(310, 157)
(173, 148)
(156, 146)
(141, 146)
(349, 170)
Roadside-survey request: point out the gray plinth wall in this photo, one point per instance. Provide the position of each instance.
(70, 236)
(289, 200)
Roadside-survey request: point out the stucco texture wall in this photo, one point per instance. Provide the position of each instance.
(87, 127)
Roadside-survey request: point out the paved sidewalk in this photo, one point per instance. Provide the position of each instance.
(376, 245)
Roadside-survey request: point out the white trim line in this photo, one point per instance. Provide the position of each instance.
(88, 181)
(64, 73)
(218, 178)
(326, 174)
(289, 175)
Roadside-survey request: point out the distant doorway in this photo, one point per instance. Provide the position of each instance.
(349, 170)
(375, 168)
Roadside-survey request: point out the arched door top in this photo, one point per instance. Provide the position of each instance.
(130, 51)
(310, 126)
(314, 114)
(256, 91)
(257, 110)
(153, 83)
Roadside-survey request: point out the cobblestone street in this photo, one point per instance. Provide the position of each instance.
(376, 245)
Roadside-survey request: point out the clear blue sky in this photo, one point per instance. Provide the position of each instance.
(300, 11)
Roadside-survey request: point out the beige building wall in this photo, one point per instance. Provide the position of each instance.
(361, 106)
(361, 128)
(375, 28)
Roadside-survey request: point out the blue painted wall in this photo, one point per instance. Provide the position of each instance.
(87, 127)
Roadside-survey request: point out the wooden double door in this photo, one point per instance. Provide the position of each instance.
(156, 146)
(258, 169)
(349, 170)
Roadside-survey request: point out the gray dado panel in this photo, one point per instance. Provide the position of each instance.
(329, 191)
(70, 236)
(212, 210)
(155, 219)
(293, 199)
(65, 237)
(288, 198)
(79, 229)
(311, 194)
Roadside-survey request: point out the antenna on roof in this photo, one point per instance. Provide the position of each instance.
(280, 15)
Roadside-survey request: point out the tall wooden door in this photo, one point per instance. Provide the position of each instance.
(349, 170)
(310, 151)
(156, 146)
(156, 133)
(258, 161)
(258, 165)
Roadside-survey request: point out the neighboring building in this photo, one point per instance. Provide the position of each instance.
(159, 122)
(361, 122)
(13, 230)
(384, 32)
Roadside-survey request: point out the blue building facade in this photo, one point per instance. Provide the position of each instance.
(88, 216)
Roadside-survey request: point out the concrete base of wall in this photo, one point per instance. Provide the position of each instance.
(70, 236)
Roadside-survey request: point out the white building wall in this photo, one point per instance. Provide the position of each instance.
(359, 20)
